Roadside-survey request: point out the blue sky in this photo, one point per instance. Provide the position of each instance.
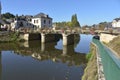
(88, 11)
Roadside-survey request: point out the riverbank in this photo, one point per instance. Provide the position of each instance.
(115, 45)
(9, 37)
(90, 72)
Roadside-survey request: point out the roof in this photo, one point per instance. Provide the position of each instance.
(4, 22)
(117, 19)
(25, 18)
(42, 15)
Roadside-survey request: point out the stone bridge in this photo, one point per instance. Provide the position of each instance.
(68, 38)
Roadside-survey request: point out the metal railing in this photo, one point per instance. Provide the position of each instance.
(110, 62)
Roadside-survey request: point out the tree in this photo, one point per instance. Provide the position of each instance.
(7, 16)
(70, 24)
(74, 21)
(102, 25)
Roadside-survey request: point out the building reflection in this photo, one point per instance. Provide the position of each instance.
(42, 47)
(65, 50)
(47, 51)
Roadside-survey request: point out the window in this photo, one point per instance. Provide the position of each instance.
(44, 21)
(49, 21)
(30, 19)
(34, 21)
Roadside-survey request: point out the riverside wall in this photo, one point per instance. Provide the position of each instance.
(30, 36)
(104, 37)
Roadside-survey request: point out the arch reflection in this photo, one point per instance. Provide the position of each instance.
(47, 52)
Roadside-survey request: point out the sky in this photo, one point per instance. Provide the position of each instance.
(88, 12)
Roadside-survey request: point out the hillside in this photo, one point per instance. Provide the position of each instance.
(115, 44)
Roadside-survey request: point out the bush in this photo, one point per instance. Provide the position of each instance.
(88, 56)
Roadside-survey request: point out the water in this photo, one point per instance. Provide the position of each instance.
(50, 61)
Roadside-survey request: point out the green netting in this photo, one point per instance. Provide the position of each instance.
(111, 64)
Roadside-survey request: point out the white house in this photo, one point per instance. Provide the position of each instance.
(22, 22)
(41, 20)
(116, 23)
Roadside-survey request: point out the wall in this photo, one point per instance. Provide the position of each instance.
(106, 37)
(116, 23)
(37, 22)
(49, 37)
(40, 22)
(47, 24)
(68, 39)
(30, 36)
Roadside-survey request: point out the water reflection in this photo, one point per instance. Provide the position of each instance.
(40, 61)
(0, 66)
(49, 52)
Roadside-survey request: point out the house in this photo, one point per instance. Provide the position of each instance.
(22, 22)
(42, 20)
(116, 23)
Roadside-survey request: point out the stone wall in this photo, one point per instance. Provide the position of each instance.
(70, 39)
(30, 36)
(49, 37)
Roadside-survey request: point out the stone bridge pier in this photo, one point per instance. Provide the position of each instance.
(67, 38)
(47, 38)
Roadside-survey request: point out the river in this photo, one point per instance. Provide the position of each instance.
(51, 61)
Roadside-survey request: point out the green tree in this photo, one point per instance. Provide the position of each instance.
(74, 21)
(7, 16)
(69, 24)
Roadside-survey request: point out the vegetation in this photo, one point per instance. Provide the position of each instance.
(9, 37)
(71, 24)
(115, 44)
(100, 26)
(7, 16)
(74, 21)
(90, 72)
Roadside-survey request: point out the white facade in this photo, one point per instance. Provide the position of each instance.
(39, 21)
(21, 24)
(42, 20)
(116, 23)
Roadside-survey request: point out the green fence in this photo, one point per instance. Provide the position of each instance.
(111, 63)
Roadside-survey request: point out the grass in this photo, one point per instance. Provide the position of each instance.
(90, 72)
